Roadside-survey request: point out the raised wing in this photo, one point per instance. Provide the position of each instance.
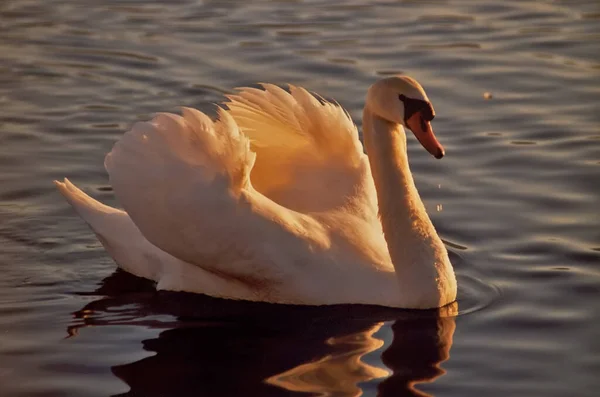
(276, 185)
(185, 183)
(309, 157)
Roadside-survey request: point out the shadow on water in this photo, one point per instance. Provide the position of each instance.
(220, 347)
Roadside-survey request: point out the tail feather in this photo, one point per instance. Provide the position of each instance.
(117, 233)
(88, 208)
(107, 222)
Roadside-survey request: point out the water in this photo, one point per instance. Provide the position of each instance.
(515, 87)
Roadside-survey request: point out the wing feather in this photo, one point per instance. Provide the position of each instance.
(305, 146)
(181, 180)
(248, 196)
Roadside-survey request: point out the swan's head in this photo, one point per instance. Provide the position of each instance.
(402, 100)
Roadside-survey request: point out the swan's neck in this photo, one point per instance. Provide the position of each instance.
(420, 259)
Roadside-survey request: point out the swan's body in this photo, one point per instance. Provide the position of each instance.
(276, 202)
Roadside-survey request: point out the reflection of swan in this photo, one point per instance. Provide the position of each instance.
(420, 344)
(336, 374)
(226, 348)
(277, 202)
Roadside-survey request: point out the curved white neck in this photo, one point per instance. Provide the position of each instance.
(420, 259)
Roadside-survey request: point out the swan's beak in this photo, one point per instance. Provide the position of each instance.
(424, 133)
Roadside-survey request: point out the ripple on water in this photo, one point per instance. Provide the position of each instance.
(389, 72)
(474, 294)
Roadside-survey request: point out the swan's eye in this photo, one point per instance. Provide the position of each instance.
(412, 106)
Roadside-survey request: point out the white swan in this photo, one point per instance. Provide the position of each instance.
(276, 201)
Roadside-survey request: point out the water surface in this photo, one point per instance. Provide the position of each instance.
(515, 87)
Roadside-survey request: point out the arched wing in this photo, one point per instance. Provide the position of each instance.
(309, 157)
(184, 181)
(278, 183)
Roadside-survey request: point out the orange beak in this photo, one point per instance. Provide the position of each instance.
(422, 130)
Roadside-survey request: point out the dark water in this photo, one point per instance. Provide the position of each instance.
(516, 90)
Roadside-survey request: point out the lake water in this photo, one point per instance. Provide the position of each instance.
(516, 88)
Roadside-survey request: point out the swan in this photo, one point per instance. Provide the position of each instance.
(276, 201)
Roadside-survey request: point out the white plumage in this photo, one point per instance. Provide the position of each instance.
(274, 201)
